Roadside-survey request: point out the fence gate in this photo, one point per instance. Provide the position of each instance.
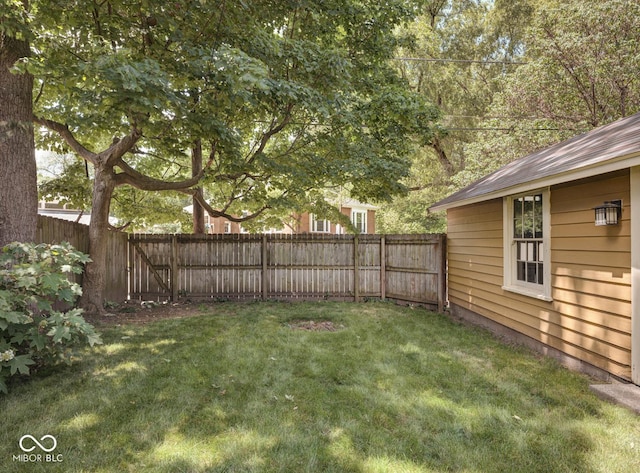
(150, 260)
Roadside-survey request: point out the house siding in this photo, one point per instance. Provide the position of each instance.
(589, 317)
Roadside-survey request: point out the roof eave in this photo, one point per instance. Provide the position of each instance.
(612, 165)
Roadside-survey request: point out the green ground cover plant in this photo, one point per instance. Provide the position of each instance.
(315, 387)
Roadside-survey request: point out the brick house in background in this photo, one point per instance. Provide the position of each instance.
(363, 217)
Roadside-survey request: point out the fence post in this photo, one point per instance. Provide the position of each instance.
(383, 267)
(174, 268)
(132, 265)
(356, 270)
(265, 267)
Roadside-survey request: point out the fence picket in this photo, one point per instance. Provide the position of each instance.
(408, 268)
(53, 230)
(402, 267)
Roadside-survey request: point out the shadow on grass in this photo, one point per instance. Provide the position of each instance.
(396, 390)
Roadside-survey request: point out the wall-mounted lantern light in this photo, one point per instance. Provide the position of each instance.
(608, 213)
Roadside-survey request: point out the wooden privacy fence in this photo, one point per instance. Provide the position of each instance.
(408, 268)
(53, 230)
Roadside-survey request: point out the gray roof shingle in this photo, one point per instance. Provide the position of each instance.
(594, 148)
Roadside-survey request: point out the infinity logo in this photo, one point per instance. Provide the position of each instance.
(42, 447)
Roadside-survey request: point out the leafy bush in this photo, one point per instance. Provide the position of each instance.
(34, 284)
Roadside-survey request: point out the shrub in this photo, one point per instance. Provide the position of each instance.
(34, 284)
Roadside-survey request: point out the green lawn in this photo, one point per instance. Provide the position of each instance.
(241, 388)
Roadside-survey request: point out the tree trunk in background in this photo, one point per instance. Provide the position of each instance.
(196, 168)
(93, 284)
(18, 175)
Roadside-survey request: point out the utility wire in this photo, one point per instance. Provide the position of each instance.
(509, 129)
(466, 61)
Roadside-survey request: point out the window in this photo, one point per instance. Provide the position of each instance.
(319, 226)
(359, 220)
(245, 213)
(227, 227)
(526, 258)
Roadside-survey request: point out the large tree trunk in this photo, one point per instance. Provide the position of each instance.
(94, 282)
(18, 185)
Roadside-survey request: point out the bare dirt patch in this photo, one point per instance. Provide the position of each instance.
(313, 326)
(142, 313)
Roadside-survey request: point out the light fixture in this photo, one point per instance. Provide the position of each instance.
(608, 213)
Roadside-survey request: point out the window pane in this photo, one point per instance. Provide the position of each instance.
(527, 217)
(531, 254)
(540, 273)
(517, 218)
(540, 251)
(521, 266)
(532, 273)
(537, 216)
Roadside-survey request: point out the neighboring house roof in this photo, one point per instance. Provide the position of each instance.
(69, 215)
(605, 149)
(352, 203)
(72, 216)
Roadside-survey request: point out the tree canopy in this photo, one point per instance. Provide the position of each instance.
(279, 100)
(514, 76)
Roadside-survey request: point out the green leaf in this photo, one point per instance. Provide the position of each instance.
(67, 294)
(51, 282)
(20, 364)
(60, 333)
(14, 317)
(94, 339)
(38, 341)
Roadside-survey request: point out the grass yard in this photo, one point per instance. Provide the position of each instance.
(364, 388)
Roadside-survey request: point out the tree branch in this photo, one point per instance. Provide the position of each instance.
(67, 136)
(447, 165)
(273, 131)
(112, 155)
(216, 213)
(140, 181)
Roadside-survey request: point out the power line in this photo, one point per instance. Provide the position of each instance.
(508, 129)
(465, 61)
(493, 117)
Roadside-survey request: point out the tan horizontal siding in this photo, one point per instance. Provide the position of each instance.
(592, 259)
(616, 291)
(550, 321)
(463, 228)
(486, 212)
(510, 304)
(599, 359)
(590, 315)
(583, 224)
(480, 270)
(601, 273)
(590, 193)
(591, 244)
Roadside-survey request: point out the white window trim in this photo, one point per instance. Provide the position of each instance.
(312, 224)
(364, 220)
(511, 283)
